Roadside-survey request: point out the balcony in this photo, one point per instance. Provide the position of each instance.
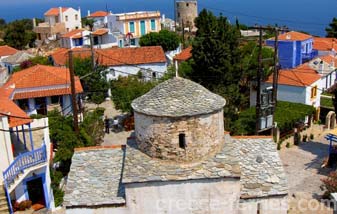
(22, 162)
(309, 56)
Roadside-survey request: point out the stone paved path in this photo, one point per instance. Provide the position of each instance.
(112, 138)
(303, 168)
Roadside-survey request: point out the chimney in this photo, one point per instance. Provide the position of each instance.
(79, 13)
(34, 22)
(163, 18)
(321, 67)
(88, 12)
(60, 15)
(288, 36)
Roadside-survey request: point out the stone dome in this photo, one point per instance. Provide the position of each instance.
(178, 97)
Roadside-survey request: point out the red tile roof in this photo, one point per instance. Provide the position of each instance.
(325, 44)
(99, 14)
(294, 36)
(131, 56)
(60, 56)
(55, 11)
(328, 59)
(186, 54)
(8, 107)
(6, 50)
(77, 33)
(55, 78)
(301, 76)
(100, 32)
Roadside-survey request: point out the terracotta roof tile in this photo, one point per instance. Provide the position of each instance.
(131, 56)
(55, 11)
(77, 33)
(293, 36)
(60, 56)
(329, 59)
(6, 50)
(99, 14)
(8, 107)
(41, 76)
(186, 54)
(301, 76)
(100, 32)
(325, 44)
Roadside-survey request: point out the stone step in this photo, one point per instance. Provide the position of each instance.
(3, 205)
(4, 210)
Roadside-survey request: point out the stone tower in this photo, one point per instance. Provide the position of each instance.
(179, 120)
(185, 13)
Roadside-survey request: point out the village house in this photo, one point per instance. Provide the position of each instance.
(41, 88)
(129, 27)
(5, 51)
(325, 66)
(294, 49)
(100, 19)
(75, 38)
(325, 46)
(183, 56)
(180, 161)
(24, 157)
(147, 61)
(57, 22)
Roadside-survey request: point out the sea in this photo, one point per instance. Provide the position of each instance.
(310, 16)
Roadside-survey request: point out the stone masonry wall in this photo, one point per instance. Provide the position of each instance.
(159, 136)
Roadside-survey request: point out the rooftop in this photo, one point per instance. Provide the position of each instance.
(75, 34)
(100, 32)
(95, 178)
(178, 97)
(131, 56)
(40, 76)
(55, 11)
(6, 50)
(262, 173)
(184, 55)
(325, 44)
(60, 56)
(139, 167)
(293, 36)
(98, 14)
(301, 76)
(18, 57)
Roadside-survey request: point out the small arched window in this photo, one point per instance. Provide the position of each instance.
(182, 140)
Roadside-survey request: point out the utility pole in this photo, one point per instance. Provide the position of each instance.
(92, 53)
(258, 79)
(73, 92)
(276, 67)
(183, 28)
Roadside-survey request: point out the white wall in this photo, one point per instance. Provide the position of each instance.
(204, 196)
(66, 108)
(114, 25)
(101, 210)
(71, 24)
(314, 101)
(126, 70)
(6, 153)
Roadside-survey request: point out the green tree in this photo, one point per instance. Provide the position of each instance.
(2, 23)
(331, 31)
(87, 22)
(216, 57)
(168, 40)
(126, 89)
(95, 84)
(19, 34)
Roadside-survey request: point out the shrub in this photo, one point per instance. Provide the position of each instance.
(311, 136)
(305, 136)
(279, 146)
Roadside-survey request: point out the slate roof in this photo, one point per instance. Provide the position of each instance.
(140, 167)
(6, 50)
(301, 76)
(262, 172)
(178, 97)
(18, 57)
(95, 178)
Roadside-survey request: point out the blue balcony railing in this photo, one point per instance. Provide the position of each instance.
(22, 162)
(309, 56)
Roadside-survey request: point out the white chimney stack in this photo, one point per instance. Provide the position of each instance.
(60, 15)
(88, 12)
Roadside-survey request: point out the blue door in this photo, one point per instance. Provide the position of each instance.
(142, 28)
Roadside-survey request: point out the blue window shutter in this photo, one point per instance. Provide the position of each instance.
(153, 24)
(132, 27)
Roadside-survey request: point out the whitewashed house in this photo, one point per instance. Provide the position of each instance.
(129, 27)
(75, 39)
(57, 22)
(13, 61)
(6, 51)
(100, 19)
(41, 88)
(24, 157)
(325, 66)
(148, 61)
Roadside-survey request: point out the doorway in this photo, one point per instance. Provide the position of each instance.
(41, 105)
(35, 191)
